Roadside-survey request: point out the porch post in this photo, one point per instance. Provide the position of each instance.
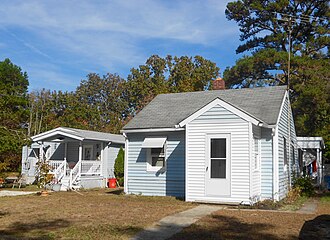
(65, 150)
(80, 157)
(41, 152)
(319, 165)
(101, 158)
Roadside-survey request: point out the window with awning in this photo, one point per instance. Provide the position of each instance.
(156, 150)
(154, 142)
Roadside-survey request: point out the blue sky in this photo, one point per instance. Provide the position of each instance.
(59, 42)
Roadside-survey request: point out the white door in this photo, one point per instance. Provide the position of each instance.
(217, 175)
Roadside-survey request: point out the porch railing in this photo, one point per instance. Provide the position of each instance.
(91, 167)
(75, 173)
(54, 164)
(60, 171)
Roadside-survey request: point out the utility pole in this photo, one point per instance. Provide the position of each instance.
(289, 20)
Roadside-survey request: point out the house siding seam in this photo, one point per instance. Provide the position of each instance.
(283, 133)
(168, 183)
(218, 120)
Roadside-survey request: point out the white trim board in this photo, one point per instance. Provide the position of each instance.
(146, 130)
(225, 105)
(53, 133)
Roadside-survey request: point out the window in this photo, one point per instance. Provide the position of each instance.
(156, 158)
(285, 152)
(218, 158)
(87, 152)
(156, 152)
(256, 154)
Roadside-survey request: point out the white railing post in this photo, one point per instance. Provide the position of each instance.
(80, 159)
(101, 158)
(70, 180)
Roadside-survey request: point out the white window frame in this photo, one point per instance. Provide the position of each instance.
(151, 168)
(256, 155)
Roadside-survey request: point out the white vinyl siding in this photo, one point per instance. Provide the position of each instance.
(218, 120)
(161, 183)
(256, 191)
(110, 155)
(283, 133)
(266, 164)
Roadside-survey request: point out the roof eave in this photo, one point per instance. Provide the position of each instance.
(141, 130)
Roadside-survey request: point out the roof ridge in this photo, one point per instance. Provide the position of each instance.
(226, 90)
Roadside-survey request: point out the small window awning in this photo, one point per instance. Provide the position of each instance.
(153, 142)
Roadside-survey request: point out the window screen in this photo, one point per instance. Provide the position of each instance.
(218, 158)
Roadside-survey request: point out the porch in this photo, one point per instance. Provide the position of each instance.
(78, 158)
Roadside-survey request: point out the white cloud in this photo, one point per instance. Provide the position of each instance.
(112, 33)
(48, 76)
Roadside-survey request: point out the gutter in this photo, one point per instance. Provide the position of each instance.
(149, 130)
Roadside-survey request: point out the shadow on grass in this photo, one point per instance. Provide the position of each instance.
(317, 228)
(2, 214)
(224, 227)
(41, 229)
(119, 191)
(104, 231)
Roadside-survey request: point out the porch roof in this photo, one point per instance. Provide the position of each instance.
(62, 133)
(310, 142)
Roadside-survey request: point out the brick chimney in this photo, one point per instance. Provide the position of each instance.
(219, 84)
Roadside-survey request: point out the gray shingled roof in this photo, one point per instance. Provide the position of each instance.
(93, 135)
(87, 135)
(168, 110)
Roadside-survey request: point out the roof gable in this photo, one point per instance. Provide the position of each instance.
(168, 110)
(223, 104)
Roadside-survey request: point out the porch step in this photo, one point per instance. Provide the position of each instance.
(65, 184)
(65, 181)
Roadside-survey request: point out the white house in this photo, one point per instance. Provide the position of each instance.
(222, 146)
(79, 158)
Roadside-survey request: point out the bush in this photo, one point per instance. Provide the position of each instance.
(305, 185)
(293, 195)
(119, 167)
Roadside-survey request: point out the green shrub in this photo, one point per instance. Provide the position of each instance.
(305, 185)
(119, 167)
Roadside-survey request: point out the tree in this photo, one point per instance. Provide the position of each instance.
(103, 103)
(13, 114)
(168, 75)
(260, 26)
(265, 27)
(119, 166)
(311, 98)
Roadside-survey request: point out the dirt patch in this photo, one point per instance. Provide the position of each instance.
(92, 215)
(254, 224)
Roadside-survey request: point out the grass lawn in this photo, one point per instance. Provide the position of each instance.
(254, 224)
(94, 214)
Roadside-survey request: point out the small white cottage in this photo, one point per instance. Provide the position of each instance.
(79, 158)
(222, 146)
